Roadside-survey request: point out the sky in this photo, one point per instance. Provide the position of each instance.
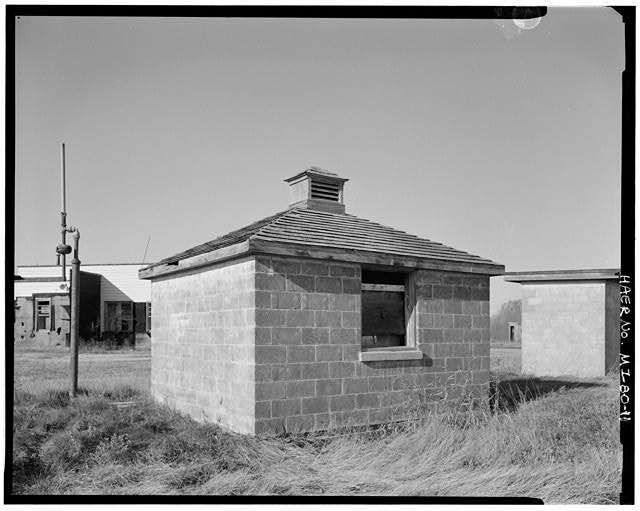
(494, 140)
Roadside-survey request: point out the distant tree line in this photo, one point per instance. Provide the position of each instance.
(510, 311)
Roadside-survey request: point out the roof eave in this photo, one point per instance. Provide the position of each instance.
(195, 262)
(562, 275)
(253, 246)
(373, 258)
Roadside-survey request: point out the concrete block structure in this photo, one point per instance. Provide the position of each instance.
(312, 319)
(570, 322)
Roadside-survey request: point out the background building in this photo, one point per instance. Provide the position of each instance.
(570, 321)
(113, 301)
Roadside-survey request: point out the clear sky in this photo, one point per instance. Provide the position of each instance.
(500, 142)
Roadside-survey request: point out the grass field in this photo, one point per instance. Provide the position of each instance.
(551, 439)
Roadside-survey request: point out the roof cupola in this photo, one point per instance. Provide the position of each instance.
(316, 188)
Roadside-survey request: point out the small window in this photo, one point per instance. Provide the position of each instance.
(386, 309)
(43, 314)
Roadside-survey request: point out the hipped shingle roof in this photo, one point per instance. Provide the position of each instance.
(314, 228)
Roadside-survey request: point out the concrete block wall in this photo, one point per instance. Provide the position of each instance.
(308, 340)
(612, 325)
(204, 344)
(453, 333)
(307, 345)
(23, 321)
(563, 328)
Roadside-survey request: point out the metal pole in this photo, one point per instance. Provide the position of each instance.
(75, 311)
(63, 213)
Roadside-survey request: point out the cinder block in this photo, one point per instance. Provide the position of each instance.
(286, 372)
(481, 293)
(425, 320)
(461, 293)
(442, 321)
(469, 307)
(301, 283)
(472, 335)
(266, 282)
(300, 318)
(263, 410)
(369, 400)
(314, 371)
(315, 335)
(452, 335)
(341, 403)
(270, 354)
(329, 285)
(301, 354)
(315, 268)
(286, 300)
(342, 271)
(355, 385)
(331, 319)
(300, 389)
(285, 266)
(329, 352)
(270, 390)
(343, 336)
(315, 405)
(286, 336)
(454, 363)
(262, 300)
(262, 373)
(286, 407)
(299, 423)
(268, 317)
(342, 302)
(328, 387)
(380, 383)
(453, 307)
(431, 335)
(462, 321)
(317, 301)
(444, 292)
(342, 369)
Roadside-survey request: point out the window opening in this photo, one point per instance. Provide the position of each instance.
(43, 314)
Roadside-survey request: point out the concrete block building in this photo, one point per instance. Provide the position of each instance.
(570, 321)
(313, 318)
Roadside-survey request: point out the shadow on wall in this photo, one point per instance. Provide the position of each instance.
(506, 395)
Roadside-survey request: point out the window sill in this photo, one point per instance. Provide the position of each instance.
(382, 354)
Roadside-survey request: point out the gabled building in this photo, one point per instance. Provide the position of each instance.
(113, 300)
(314, 318)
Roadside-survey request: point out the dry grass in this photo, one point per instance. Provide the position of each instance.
(549, 439)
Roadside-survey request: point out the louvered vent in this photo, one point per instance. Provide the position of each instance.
(327, 191)
(316, 188)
